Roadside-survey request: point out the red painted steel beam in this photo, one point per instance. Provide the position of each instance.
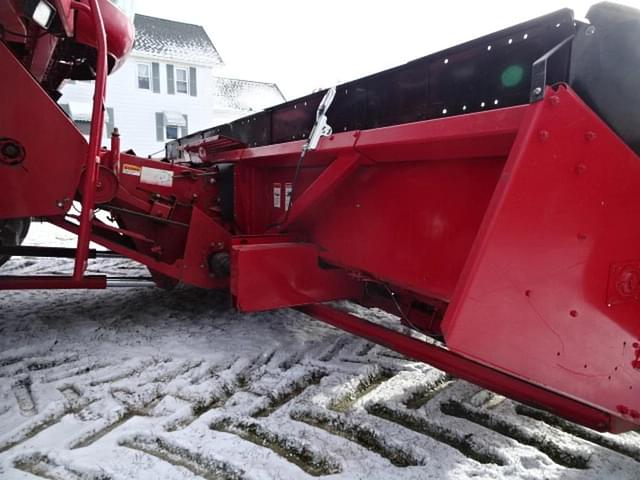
(95, 139)
(175, 270)
(164, 268)
(464, 368)
(475, 135)
(52, 282)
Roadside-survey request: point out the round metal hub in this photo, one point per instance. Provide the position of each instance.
(12, 153)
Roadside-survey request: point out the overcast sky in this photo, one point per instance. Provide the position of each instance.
(304, 45)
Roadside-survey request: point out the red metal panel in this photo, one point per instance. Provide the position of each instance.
(410, 212)
(45, 182)
(119, 30)
(409, 224)
(189, 187)
(533, 300)
(264, 277)
(255, 211)
(476, 135)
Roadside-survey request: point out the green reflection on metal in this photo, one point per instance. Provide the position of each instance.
(512, 76)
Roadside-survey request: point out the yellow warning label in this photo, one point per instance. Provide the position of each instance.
(128, 169)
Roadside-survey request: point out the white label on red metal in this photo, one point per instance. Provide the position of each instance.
(288, 190)
(128, 169)
(156, 176)
(277, 195)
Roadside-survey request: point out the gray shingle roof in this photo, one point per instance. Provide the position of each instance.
(245, 95)
(182, 42)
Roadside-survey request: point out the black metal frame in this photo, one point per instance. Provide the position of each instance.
(459, 80)
(506, 68)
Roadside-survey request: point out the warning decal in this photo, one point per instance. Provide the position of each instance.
(128, 169)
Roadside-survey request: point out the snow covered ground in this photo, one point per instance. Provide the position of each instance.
(148, 384)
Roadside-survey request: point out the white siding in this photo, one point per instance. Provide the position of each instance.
(135, 109)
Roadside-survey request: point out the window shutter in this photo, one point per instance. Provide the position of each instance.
(193, 82)
(184, 131)
(111, 121)
(171, 84)
(160, 127)
(155, 73)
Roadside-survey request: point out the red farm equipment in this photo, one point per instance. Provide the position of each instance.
(487, 195)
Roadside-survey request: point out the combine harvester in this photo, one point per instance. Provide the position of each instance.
(487, 195)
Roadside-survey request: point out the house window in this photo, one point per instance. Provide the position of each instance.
(171, 132)
(171, 126)
(182, 82)
(144, 76)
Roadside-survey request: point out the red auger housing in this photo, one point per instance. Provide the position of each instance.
(66, 47)
(486, 195)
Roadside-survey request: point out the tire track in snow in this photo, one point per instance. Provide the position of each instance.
(272, 383)
(181, 457)
(44, 466)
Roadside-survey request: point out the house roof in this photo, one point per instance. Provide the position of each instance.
(245, 95)
(170, 40)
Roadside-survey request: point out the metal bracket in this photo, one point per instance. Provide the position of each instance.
(539, 71)
(321, 128)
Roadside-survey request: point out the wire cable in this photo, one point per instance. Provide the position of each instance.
(403, 316)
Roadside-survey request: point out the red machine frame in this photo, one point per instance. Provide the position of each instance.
(451, 224)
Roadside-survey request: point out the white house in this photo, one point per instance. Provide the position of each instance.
(166, 89)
